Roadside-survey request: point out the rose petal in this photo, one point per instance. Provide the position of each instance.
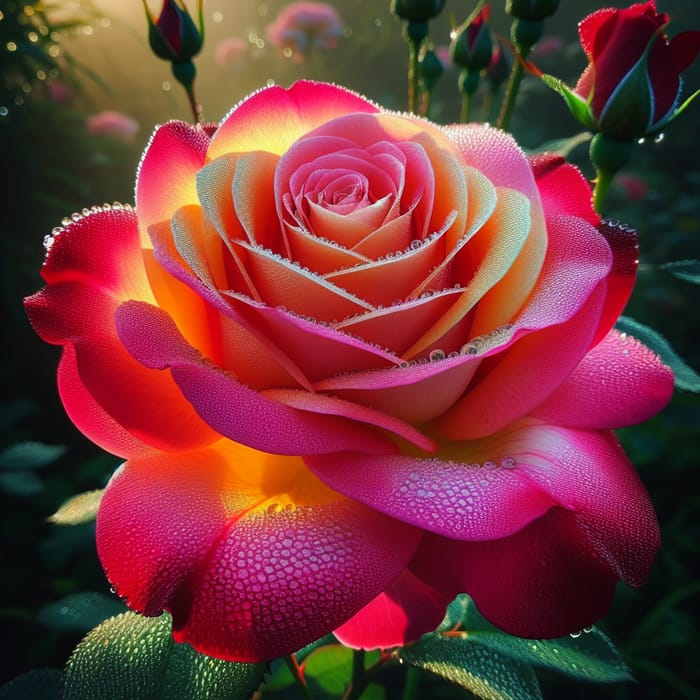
(274, 118)
(245, 579)
(178, 149)
(500, 240)
(399, 615)
(232, 409)
(77, 308)
(620, 382)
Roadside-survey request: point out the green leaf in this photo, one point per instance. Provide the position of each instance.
(330, 668)
(485, 672)
(579, 108)
(79, 509)
(30, 455)
(79, 611)
(131, 656)
(686, 270)
(41, 684)
(20, 483)
(685, 377)
(589, 655)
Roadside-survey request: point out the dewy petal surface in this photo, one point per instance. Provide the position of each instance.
(601, 529)
(247, 550)
(76, 310)
(274, 118)
(357, 363)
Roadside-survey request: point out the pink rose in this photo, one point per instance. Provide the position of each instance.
(116, 125)
(302, 26)
(231, 51)
(356, 364)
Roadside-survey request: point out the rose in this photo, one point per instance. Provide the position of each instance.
(357, 364)
(173, 35)
(631, 86)
(302, 26)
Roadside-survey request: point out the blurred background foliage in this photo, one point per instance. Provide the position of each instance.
(63, 62)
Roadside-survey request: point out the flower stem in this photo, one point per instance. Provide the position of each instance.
(603, 181)
(195, 106)
(608, 155)
(466, 107)
(516, 76)
(410, 688)
(358, 682)
(413, 75)
(295, 670)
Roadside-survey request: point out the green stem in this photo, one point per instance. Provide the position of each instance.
(466, 107)
(427, 99)
(413, 75)
(603, 181)
(410, 688)
(293, 666)
(358, 683)
(516, 76)
(195, 106)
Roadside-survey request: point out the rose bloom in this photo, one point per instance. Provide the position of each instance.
(231, 51)
(356, 363)
(301, 26)
(116, 125)
(631, 93)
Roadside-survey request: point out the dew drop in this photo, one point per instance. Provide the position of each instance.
(437, 355)
(659, 137)
(490, 464)
(508, 463)
(575, 635)
(66, 221)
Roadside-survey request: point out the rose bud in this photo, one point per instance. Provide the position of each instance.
(472, 46)
(632, 85)
(173, 36)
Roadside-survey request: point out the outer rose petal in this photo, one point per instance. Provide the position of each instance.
(619, 383)
(244, 580)
(77, 308)
(542, 582)
(178, 149)
(274, 118)
(397, 616)
(603, 530)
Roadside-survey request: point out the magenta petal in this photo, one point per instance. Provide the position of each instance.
(231, 408)
(602, 529)
(399, 615)
(183, 532)
(619, 383)
(470, 497)
(542, 582)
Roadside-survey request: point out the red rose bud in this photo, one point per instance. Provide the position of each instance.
(431, 69)
(173, 36)
(472, 46)
(417, 10)
(498, 69)
(632, 85)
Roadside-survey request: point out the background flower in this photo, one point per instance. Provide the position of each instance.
(114, 124)
(303, 26)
